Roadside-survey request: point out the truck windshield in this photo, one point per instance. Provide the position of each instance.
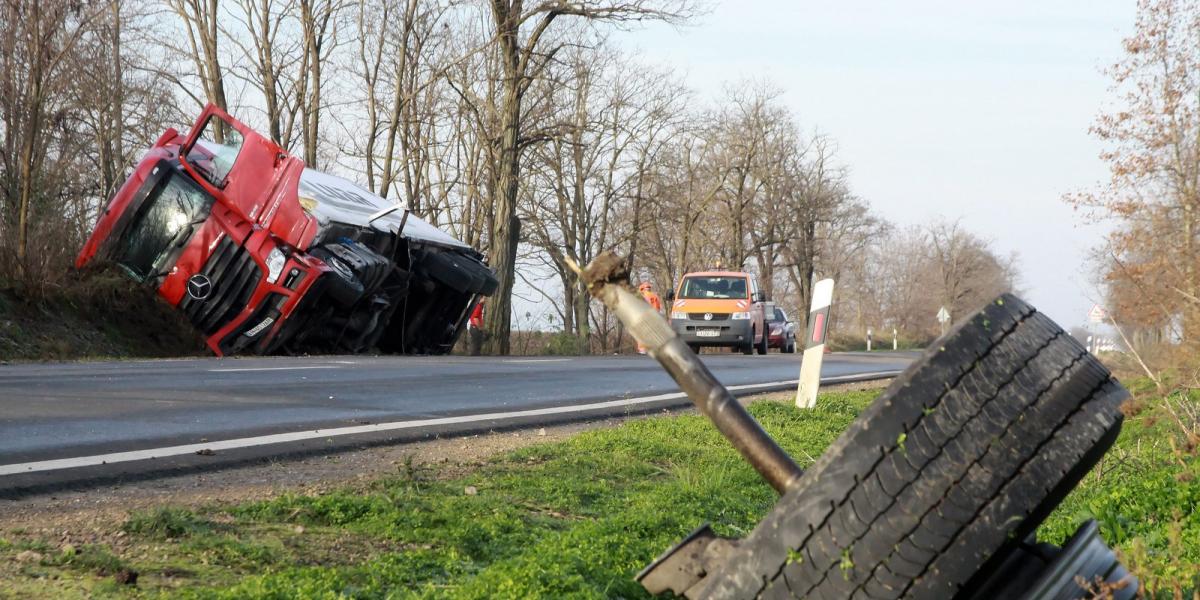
(695, 288)
(164, 222)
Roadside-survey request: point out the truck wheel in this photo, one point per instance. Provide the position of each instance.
(748, 347)
(763, 345)
(447, 269)
(695, 348)
(342, 286)
(934, 483)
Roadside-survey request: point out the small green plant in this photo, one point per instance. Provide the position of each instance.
(93, 558)
(166, 523)
(846, 564)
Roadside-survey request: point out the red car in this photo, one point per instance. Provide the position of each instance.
(781, 330)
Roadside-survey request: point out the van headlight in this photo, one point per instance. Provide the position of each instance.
(740, 315)
(276, 259)
(678, 314)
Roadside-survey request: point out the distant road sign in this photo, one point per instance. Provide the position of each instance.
(1097, 314)
(943, 318)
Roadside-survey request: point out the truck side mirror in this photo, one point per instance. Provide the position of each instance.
(670, 295)
(758, 297)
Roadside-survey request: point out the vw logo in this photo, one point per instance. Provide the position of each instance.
(199, 287)
(707, 316)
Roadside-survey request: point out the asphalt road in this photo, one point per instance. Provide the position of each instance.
(129, 417)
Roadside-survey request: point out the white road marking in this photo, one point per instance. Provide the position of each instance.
(243, 369)
(535, 360)
(300, 436)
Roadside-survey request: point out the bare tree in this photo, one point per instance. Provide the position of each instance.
(38, 42)
(519, 31)
(200, 24)
(1153, 194)
(273, 52)
(319, 23)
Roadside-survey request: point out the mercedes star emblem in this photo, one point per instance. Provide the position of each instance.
(199, 287)
(707, 316)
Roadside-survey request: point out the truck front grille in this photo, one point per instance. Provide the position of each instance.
(234, 276)
(715, 316)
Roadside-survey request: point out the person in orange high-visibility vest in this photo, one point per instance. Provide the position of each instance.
(653, 300)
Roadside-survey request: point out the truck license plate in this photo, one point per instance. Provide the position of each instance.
(707, 332)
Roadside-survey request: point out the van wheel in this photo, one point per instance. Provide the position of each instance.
(762, 345)
(748, 347)
(695, 348)
(940, 478)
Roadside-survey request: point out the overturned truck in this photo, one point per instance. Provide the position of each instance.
(264, 255)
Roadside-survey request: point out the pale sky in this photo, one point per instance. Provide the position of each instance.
(976, 111)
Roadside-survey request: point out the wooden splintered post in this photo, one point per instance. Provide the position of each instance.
(814, 344)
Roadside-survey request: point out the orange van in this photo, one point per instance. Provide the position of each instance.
(720, 308)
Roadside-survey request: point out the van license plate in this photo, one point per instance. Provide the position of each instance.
(707, 332)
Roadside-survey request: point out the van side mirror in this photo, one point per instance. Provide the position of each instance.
(670, 295)
(759, 297)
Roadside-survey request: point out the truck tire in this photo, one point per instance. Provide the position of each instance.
(943, 474)
(342, 286)
(748, 347)
(763, 346)
(452, 270)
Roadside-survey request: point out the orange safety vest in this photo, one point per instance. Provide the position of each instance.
(477, 316)
(652, 299)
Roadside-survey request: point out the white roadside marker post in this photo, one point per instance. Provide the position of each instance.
(895, 340)
(814, 342)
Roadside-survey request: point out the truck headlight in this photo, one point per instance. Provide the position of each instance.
(740, 315)
(678, 314)
(275, 261)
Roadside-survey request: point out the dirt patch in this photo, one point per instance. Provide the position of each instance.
(94, 515)
(96, 312)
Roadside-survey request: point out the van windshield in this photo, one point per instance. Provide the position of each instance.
(697, 288)
(164, 223)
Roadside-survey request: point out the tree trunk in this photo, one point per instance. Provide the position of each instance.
(502, 252)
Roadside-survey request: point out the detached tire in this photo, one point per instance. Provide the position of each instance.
(929, 488)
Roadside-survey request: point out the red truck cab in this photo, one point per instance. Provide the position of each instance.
(263, 254)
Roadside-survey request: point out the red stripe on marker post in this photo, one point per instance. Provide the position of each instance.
(818, 334)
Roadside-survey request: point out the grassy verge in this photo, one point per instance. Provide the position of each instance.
(1145, 495)
(565, 519)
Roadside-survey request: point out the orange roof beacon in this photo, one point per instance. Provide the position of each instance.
(720, 308)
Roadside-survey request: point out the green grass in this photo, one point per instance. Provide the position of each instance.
(570, 519)
(1145, 496)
